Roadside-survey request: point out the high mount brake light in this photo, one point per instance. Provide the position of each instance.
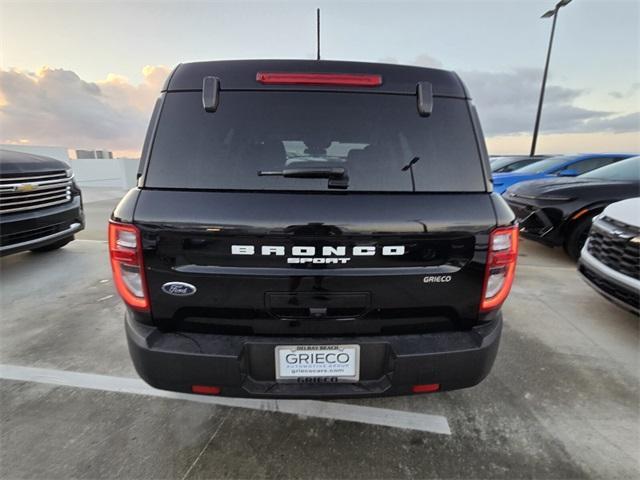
(343, 79)
(125, 252)
(501, 267)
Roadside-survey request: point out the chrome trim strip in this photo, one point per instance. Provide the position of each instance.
(61, 181)
(42, 205)
(40, 187)
(615, 229)
(19, 201)
(74, 227)
(20, 195)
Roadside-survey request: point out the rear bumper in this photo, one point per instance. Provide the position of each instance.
(39, 228)
(245, 366)
(620, 289)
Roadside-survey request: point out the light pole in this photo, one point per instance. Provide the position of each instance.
(551, 13)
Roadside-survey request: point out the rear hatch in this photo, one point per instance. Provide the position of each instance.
(394, 242)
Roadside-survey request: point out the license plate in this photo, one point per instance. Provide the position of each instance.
(318, 363)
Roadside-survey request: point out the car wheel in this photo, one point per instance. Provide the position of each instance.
(53, 246)
(577, 237)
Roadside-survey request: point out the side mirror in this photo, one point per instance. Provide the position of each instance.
(568, 172)
(210, 93)
(424, 92)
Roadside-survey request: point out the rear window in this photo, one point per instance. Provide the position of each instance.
(373, 137)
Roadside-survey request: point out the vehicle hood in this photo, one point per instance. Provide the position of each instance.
(502, 181)
(626, 211)
(570, 187)
(18, 162)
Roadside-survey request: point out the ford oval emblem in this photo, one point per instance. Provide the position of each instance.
(179, 289)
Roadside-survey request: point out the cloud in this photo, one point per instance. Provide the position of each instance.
(422, 60)
(614, 124)
(629, 93)
(425, 60)
(56, 107)
(507, 103)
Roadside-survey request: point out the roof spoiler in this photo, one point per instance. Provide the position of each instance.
(210, 93)
(424, 91)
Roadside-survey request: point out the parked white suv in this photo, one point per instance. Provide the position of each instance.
(610, 260)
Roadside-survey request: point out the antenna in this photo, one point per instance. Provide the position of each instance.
(318, 32)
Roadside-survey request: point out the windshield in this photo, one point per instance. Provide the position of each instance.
(373, 137)
(546, 164)
(509, 164)
(628, 169)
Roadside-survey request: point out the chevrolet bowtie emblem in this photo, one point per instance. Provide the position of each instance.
(26, 187)
(635, 240)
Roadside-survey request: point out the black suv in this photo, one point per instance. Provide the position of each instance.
(40, 204)
(310, 229)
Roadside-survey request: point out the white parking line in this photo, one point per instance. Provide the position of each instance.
(308, 408)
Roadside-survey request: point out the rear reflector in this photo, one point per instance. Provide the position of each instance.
(125, 252)
(347, 80)
(426, 388)
(501, 267)
(205, 389)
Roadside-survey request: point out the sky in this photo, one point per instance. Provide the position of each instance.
(84, 74)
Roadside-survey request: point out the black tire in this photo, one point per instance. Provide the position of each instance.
(577, 236)
(53, 246)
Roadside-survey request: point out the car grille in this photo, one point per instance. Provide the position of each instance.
(22, 192)
(34, 234)
(613, 243)
(521, 211)
(629, 297)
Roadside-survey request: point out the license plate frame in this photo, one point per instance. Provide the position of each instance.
(332, 370)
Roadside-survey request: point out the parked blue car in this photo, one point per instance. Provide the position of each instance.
(562, 166)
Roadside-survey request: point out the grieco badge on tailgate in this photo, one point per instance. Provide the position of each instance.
(179, 289)
(307, 253)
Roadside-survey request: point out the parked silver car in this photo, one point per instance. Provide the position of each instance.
(610, 260)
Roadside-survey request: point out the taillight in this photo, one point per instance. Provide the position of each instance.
(344, 79)
(501, 267)
(125, 251)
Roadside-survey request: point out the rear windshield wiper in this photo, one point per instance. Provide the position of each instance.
(337, 176)
(409, 166)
